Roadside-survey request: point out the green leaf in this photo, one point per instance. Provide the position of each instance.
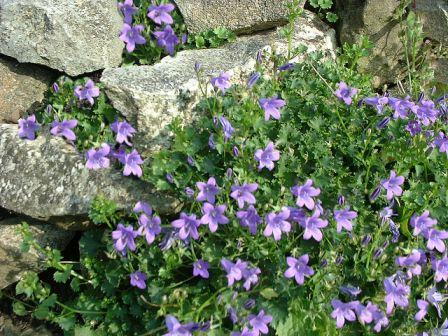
(62, 277)
(332, 17)
(269, 293)
(66, 323)
(19, 308)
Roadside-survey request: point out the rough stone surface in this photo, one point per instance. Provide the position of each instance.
(22, 88)
(14, 262)
(8, 327)
(71, 36)
(241, 16)
(434, 16)
(153, 96)
(47, 179)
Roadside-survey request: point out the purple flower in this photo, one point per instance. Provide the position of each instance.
(344, 218)
(207, 191)
(138, 279)
(402, 107)
(426, 112)
(423, 309)
(350, 290)
(312, 226)
(142, 207)
(222, 82)
(253, 79)
(380, 319)
(55, 87)
(260, 322)
(64, 128)
(413, 127)
(124, 237)
(267, 157)
(250, 276)
(232, 314)
(287, 66)
(227, 128)
(190, 161)
(435, 298)
(175, 328)
(366, 240)
(378, 102)
(271, 107)
(440, 268)
(234, 270)
(213, 216)
(211, 142)
(188, 225)
(435, 239)
(170, 178)
(132, 35)
(397, 293)
(167, 39)
(123, 130)
(200, 268)
(249, 219)
(160, 14)
(149, 227)
(392, 185)
(243, 194)
(411, 262)
(305, 194)
(277, 223)
(28, 128)
(442, 143)
(128, 9)
(422, 223)
(383, 123)
(88, 92)
(189, 192)
(365, 313)
(345, 93)
(343, 311)
(296, 215)
(132, 162)
(97, 159)
(298, 268)
(245, 332)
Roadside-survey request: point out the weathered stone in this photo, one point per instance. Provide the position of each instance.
(151, 97)
(47, 179)
(71, 36)
(14, 262)
(434, 17)
(241, 16)
(10, 328)
(22, 88)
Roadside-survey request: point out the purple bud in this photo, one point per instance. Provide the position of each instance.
(324, 263)
(55, 87)
(170, 178)
(184, 38)
(383, 123)
(249, 304)
(215, 121)
(205, 326)
(197, 66)
(374, 195)
(339, 260)
(48, 109)
(385, 244)
(253, 79)
(443, 109)
(211, 142)
(341, 200)
(259, 56)
(232, 314)
(190, 161)
(378, 253)
(229, 173)
(193, 326)
(350, 290)
(287, 66)
(420, 97)
(189, 192)
(366, 240)
(236, 151)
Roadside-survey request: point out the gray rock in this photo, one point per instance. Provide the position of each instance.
(434, 17)
(151, 97)
(71, 36)
(47, 179)
(8, 327)
(22, 88)
(14, 262)
(241, 16)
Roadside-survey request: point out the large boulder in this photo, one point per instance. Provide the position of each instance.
(47, 179)
(151, 97)
(22, 88)
(71, 36)
(240, 16)
(14, 261)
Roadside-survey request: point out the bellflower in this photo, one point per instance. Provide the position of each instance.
(277, 223)
(392, 185)
(64, 128)
(260, 322)
(250, 276)
(207, 191)
(378, 102)
(271, 107)
(442, 143)
(142, 207)
(167, 39)
(234, 270)
(267, 157)
(423, 310)
(402, 107)
(426, 112)
(440, 268)
(365, 313)
(298, 269)
(397, 293)
(305, 194)
(249, 219)
(200, 268)
(312, 226)
(226, 127)
(245, 332)
(253, 79)
(149, 227)
(132, 162)
(55, 87)
(286, 67)
(422, 223)
(132, 35)
(344, 218)
(343, 311)
(211, 142)
(123, 130)
(380, 320)
(88, 92)
(213, 216)
(436, 298)
(413, 127)
(350, 290)
(124, 237)
(345, 93)
(138, 279)
(222, 82)
(411, 262)
(188, 225)
(160, 14)
(435, 239)
(243, 194)
(28, 128)
(128, 9)
(175, 328)
(97, 159)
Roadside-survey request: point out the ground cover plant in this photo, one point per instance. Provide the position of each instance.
(311, 206)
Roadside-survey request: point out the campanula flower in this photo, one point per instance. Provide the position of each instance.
(435, 239)
(188, 225)
(97, 159)
(200, 268)
(298, 268)
(397, 293)
(345, 93)
(344, 219)
(167, 39)
(277, 223)
(28, 128)
(260, 322)
(305, 194)
(132, 162)
(267, 156)
(243, 194)
(207, 191)
(271, 107)
(88, 92)
(249, 219)
(312, 226)
(123, 130)
(124, 238)
(128, 9)
(423, 310)
(440, 268)
(161, 14)
(138, 279)
(392, 185)
(149, 227)
(64, 128)
(343, 311)
(213, 215)
(422, 223)
(221, 82)
(234, 270)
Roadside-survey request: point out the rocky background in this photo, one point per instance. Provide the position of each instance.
(45, 183)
